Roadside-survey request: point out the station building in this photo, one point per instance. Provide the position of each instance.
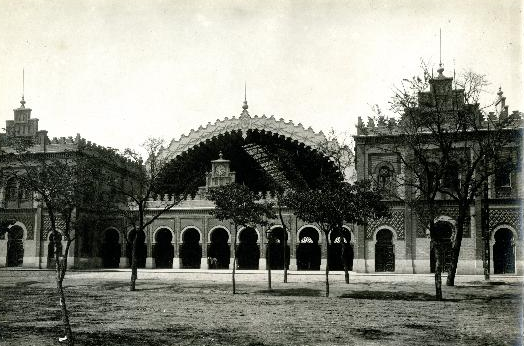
(256, 151)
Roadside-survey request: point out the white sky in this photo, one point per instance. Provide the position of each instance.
(120, 71)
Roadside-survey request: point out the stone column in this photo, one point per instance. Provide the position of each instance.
(293, 245)
(232, 248)
(323, 253)
(150, 260)
(124, 261)
(203, 261)
(262, 262)
(175, 242)
(38, 238)
(359, 261)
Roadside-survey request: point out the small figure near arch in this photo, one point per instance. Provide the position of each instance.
(218, 252)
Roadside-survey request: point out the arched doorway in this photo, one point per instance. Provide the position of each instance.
(141, 249)
(15, 246)
(190, 249)
(308, 250)
(443, 234)
(337, 242)
(218, 252)
(163, 249)
(276, 249)
(503, 252)
(51, 262)
(248, 251)
(384, 251)
(111, 249)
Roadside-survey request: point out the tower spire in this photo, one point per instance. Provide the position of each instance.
(22, 102)
(245, 106)
(440, 68)
(440, 47)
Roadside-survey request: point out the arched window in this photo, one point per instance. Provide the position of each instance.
(451, 178)
(385, 175)
(503, 174)
(11, 190)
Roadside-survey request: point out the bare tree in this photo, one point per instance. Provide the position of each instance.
(448, 145)
(334, 203)
(67, 187)
(239, 204)
(141, 185)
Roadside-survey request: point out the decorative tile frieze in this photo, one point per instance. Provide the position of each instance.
(506, 216)
(396, 221)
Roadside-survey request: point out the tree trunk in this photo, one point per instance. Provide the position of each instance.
(285, 255)
(345, 245)
(268, 265)
(65, 315)
(327, 265)
(134, 263)
(485, 231)
(456, 247)
(438, 270)
(285, 236)
(234, 259)
(60, 272)
(134, 252)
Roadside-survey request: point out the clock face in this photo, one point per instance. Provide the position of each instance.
(221, 170)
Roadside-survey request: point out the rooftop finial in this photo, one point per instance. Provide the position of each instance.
(500, 93)
(220, 155)
(440, 68)
(440, 47)
(22, 102)
(245, 106)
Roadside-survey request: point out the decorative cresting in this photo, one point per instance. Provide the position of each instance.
(244, 123)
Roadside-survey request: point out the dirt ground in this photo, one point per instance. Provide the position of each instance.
(184, 308)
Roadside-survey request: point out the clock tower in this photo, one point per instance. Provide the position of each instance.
(220, 173)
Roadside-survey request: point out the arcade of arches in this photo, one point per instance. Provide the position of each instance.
(300, 249)
(248, 150)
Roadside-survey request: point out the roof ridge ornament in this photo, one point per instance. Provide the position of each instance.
(245, 106)
(22, 102)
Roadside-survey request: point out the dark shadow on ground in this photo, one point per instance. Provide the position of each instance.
(180, 336)
(391, 295)
(292, 292)
(371, 333)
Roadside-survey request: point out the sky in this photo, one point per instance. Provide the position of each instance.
(119, 71)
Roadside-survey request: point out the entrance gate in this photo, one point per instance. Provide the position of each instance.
(503, 252)
(384, 252)
(15, 246)
(190, 249)
(218, 252)
(248, 251)
(308, 250)
(111, 249)
(164, 251)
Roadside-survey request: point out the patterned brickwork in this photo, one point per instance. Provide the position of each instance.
(509, 216)
(451, 212)
(396, 221)
(28, 219)
(60, 226)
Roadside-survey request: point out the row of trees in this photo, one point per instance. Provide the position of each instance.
(74, 186)
(329, 206)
